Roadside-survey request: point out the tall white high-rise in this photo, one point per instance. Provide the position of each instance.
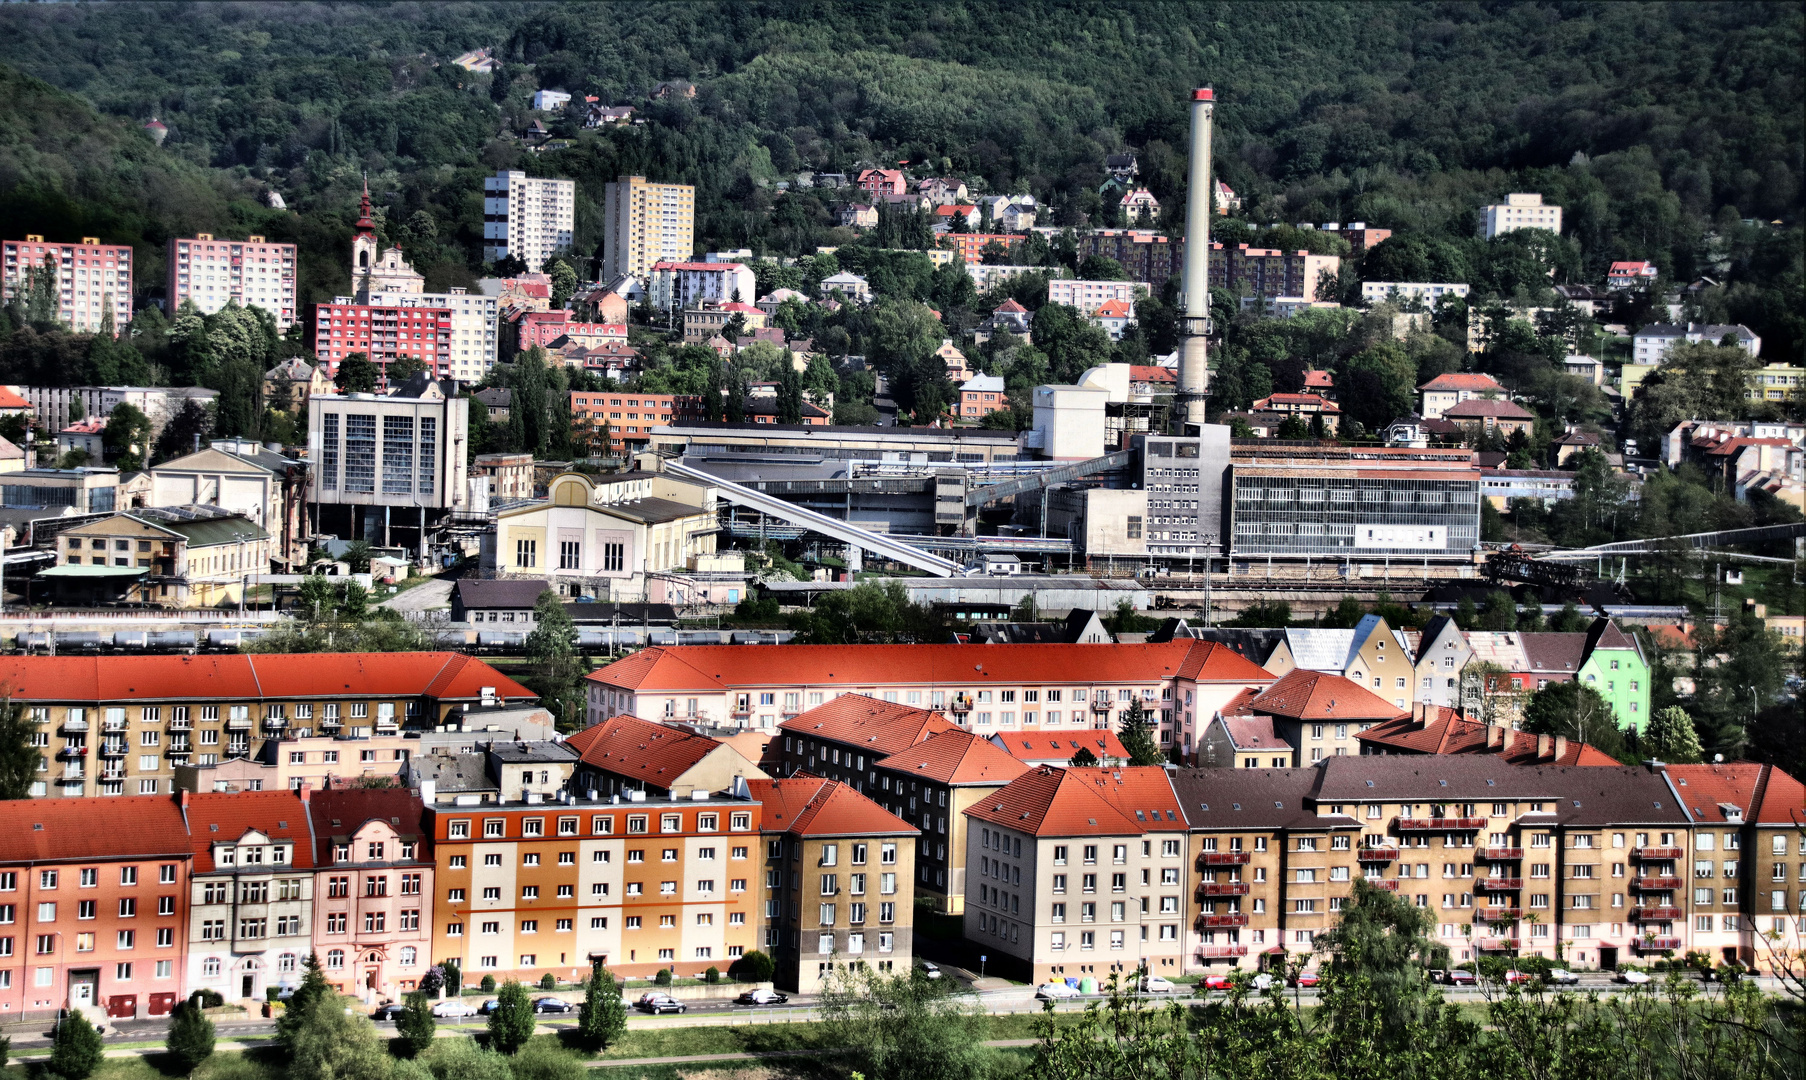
(646, 223)
(213, 273)
(526, 217)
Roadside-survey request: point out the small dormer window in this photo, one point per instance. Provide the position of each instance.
(227, 857)
(341, 853)
(253, 856)
(279, 854)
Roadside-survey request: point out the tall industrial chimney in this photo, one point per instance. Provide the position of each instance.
(1194, 372)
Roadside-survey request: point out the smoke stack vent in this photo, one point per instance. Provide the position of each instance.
(1194, 371)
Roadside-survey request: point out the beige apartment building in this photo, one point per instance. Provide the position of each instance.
(644, 224)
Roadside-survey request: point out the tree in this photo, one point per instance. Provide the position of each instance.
(1500, 613)
(415, 1025)
(1101, 268)
(1670, 737)
(190, 1035)
(790, 396)
(356, 375)
(564, 280)
(306, 998)
(904, 1026)
(75, 1049)
(553, 647)
(1384, 940)
(1576, 711)
(127, 437)
(1138, 736)
(1083, 758)
(602, 1018)
(19, 759)
(755, 966)
(403, 368)
(512, 1022)
(329, 1043)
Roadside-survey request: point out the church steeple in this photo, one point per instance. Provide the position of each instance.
(366, 224)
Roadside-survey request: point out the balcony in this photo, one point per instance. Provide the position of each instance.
(72, 752)
(1214, 921)
(740, 710)
(112, 750)
(1222, 952)
(1378, 854)
(1498, 884)
(1655, 913)
(1497, 914)
(115, 726)
(238, 723)
(1499, 854)
(1223, 888)
(75, 725)
(274, 723)
(181, 725)
(1388, 884)
(1655, 945)
(112, 775)
(1100, 705)
(961, 704)
(1657, 883)
(1441, 824)
(1225, 858)
(1496, 944)
(1657, 854)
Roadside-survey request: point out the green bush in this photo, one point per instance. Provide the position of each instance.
(416, 1024)
(463, 1059)
(488, 984)
(511, 1024)
(190, 1036)
(663, 978)
(547, 982)
(207, 999)
(76, 1050)
(270, 993)
(712, 975)
(755, 966)
(543, 1060)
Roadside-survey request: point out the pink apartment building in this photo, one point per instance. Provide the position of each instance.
(373, 884)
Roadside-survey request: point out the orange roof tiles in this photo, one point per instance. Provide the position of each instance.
(9, 399)
(884, 727)
(215, 817)
(640, 749)
(955, 757)
(49, 830)
(1445, 731)
(1463, 380)
(442, 675)
(1053, 747)
(1765, 795)
(1214, 661)
(812, 806)
(1083, 802)
(1318, 695)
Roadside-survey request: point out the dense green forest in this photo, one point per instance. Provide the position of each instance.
(1661, 128)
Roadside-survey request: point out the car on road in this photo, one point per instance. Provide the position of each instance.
(1217, 982)
(1262, 981)
(553, 1005)
(452, 1008)
(1305, 979)
(1460, 977)
(1154, 984)
(1512, 978)
(489, 1007)
(1055, 991)
(390, 1011)
(1561, 977)
(761, 996)
(1634, 978)
(656, 1003)
(929, 971)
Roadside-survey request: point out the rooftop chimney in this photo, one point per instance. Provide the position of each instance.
(1194, 374)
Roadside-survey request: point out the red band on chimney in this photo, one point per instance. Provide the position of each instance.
(1205, 94)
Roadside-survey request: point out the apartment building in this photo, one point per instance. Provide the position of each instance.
(1446, 391)
(527, 217)
(1427, 292)
(372, 891)
(818, 834)
(1749, 860)
(1145, 255)
(1312, 715)
(624, 754)
(212, 273)
(630, 418)
(1088, 296)
(293, 760)
(674, 286)
(383, 332)
(141, 716)
(89, 911)
(1520, 210)
(1269, 272)
(382, 453)
(251, 894)
(645, 224)
(467, 324)
(1007, 687)
(1603, 658)
(970, 246)
(1080, 872)
(94, 280)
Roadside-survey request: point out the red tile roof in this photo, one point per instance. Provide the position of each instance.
(1152, 373)
(9, 399)
(214, 817)
(1142, 792)
(1317, 377)
(1318, 695)
(1254, 733)
(717, 667)
(49, 830)
(955, 757)
(443, 675)
(1055, 748)
(1115, 309)
(1481, 407)
(1463, 380)
(883, 727)
(1445, 731)
(1766, 795)
(812, 806)
(1011, 307)
(640, 749)
(1083, 802)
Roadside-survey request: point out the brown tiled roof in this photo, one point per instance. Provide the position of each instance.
(1553, 652)
(339, 812)
(882, 728)
(1319, 695)
(955, 757)
(1253, 732)
(640, 749)
(1444, 731)
(1142, 792)
(1463, 380)
(1577, 795)
(1479, 407)
(812, 806)
(1224, 798)
(50, 830)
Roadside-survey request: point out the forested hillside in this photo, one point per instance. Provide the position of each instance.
(1657, 126)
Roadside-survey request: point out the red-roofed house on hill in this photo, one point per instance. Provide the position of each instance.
(853, 902)
(1079, 872)
(925, 769)
(1448, 390)
(92, 899)
(1026, 687)
(251, 898)
(121, 724)
(373, 890)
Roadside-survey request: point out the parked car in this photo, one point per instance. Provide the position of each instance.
(1460, 977)
(1514, 977)
(452, 1008)
(761, 997)
(1154, 984)
(660, 1003)
(1634, 978)
(553, 1005)
(488, 1007)
(1305, 978)
(1217, 982)
(390, 1011)
(1055, 991)
(1263, 980)
(1561, 977)
(929, 971)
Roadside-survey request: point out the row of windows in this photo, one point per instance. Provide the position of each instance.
(87, 877)
(600, 825)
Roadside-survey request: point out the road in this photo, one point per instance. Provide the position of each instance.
(432, 594)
